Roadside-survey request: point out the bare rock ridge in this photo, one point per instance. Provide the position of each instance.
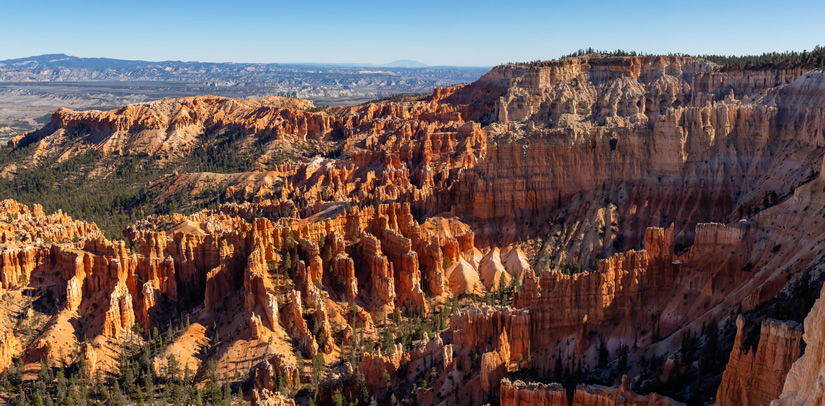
(544, 221)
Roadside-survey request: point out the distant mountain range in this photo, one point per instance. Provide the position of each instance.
(313, 81)
(61, 67)
(35, 86)
(405, 63)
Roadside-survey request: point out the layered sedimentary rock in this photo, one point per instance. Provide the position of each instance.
(274, 372)
(479, 327)
(381, 273)
(345, 269)
(374, 366)
(532, 394)
(121, 313)
(268, 398)
(806, 379)
(89, 356)
(519, 393)
(600, 395)
(755, 376)
(26, 234)
(625, 199)
(256, 288)
(495, 364)
(10, 347)
(181, 120)
(296, 326)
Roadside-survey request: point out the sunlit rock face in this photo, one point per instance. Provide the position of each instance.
(535, 218)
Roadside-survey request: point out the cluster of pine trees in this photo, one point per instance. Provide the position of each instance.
(137, 382)
(787, 59)
(76, 186)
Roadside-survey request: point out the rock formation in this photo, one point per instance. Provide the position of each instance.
(269, 374)
(532, 394)
(519, 393)
(297, 326)
(267, 398)
(10, 348)
(618, 201)
(806, 378)
(754, 376)
(495, 364)
(599, 395)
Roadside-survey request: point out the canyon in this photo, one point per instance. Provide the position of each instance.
(596, 230)
(32, 88)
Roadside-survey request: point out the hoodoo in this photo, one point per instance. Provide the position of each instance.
(595, 230)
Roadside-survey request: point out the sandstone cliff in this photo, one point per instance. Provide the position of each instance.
(10, 348)
(625, 200)
(532, 394)
(754, 376)
(804, 383)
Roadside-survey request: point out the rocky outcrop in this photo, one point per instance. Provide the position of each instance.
(626, 199)
(599, 395)
(345, 269)
(10, 348)
(89, 356)
(321, 320)
(381, 273)
(121, 314)
(257, 285)
(754, 376)
(26, 235)
(182, 119)
(495, 364)
(374, 366)
(74, 294)
(531, 394)
(276, 373)
(478, 327)
(18, 264)
(267, 398)
(806, 379)
(296, 326)
(519, 393)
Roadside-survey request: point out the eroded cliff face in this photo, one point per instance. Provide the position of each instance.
(754, 376)
(806, 378)
(532, 394)
(626, 201)
(9, 349)
(537, 394)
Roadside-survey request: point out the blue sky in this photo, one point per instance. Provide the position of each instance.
(477, 33)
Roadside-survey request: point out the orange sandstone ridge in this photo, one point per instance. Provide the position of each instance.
(628, 202)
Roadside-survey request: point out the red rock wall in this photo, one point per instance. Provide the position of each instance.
(755, 376)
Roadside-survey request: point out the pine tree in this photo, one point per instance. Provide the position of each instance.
(623, 355)
(558, 369)
(604, 355)
(338, 397)
(128, 380)
(172, 368)
(711, 347)
(227, 394)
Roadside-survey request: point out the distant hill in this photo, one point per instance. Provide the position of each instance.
(404, 63)
(292, 79)
(31, 88)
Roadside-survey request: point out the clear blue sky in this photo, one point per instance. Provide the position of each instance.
(445, 32)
